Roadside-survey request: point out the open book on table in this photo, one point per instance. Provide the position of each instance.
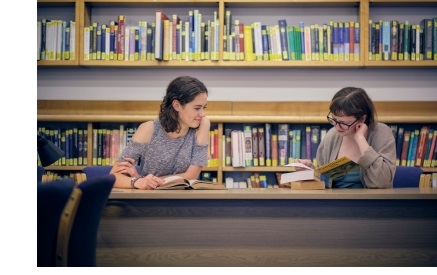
(325, 173)
(177, 182)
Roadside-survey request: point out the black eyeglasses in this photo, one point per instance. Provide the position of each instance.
(342, 125)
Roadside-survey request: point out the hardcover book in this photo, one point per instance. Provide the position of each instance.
(179, 183)
(325, 173)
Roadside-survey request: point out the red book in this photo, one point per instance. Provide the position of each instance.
(432, 150)
(120, 37)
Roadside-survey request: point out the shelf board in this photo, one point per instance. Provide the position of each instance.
(228, 111)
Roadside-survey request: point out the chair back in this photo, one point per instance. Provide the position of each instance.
(407, 176)
(51, 200)
(40, 172)
(83, 237)
(96, 171)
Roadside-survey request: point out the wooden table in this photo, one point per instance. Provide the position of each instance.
(269, 227)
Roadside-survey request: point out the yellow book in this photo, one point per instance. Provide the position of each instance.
(248, 43)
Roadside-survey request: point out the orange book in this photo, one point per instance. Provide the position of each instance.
(421, 148)
(274, 149)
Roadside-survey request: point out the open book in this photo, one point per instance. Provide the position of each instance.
(177, 182)
(325, 173)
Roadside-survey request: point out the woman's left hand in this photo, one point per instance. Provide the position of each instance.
(360, 131)
(126, 167)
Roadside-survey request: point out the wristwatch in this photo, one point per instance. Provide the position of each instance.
(132, 182)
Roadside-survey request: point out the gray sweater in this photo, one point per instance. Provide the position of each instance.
(163, 156)
(377, 164)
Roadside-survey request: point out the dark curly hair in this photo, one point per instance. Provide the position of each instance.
(183, 89)
(352, 101)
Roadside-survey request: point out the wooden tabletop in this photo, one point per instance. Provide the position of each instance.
(279, 193)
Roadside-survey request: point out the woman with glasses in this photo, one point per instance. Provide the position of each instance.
(357, 135)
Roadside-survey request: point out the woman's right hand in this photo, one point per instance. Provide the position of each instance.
(306, 162)
(149, 182)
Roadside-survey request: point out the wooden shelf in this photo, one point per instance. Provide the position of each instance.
(227, 111)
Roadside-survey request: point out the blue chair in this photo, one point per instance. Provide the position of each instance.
(96, 171)
(40, 172)
(78, 237)
(51, 200)
(407, 176)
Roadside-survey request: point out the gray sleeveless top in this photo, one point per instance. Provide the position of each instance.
(164, 156)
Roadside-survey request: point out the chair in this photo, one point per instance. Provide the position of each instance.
(96, 171)
(77, 247)
(407, 176)
(51, 200)
(40, 172)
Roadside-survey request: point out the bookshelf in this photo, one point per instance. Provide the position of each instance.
(91, 113)
(221, 113)
(85, 12)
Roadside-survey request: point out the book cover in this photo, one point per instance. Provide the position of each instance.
(228, 147)
(421, 146)
(434, 40)
(405, 147)
(325, 173)
(429, 142)
(426, 26)
(261, 146)
(268, 146)
(315, 141)
(282, 23)
(386, 33)
(179, 183)
(307, 185)
(431, 155)
(159, 34)
(394, 39)
(412, 151)
(248, 146)
(283, 143)
(255, 146)
(399, 143)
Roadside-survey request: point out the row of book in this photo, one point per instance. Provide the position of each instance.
(107, 145)
(394, 40)
(255, 180)
(271, 144)
(167, 38)
(415, 147)
(334, 41)
(56, 40)
(73, 141)
(77, 177)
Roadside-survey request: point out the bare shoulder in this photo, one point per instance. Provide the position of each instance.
(144, 132)
(203, 131)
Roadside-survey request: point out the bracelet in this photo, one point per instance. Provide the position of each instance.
(132, 182)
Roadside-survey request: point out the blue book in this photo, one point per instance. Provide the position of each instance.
(386, 40)
(399, 142)
(284, 38)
